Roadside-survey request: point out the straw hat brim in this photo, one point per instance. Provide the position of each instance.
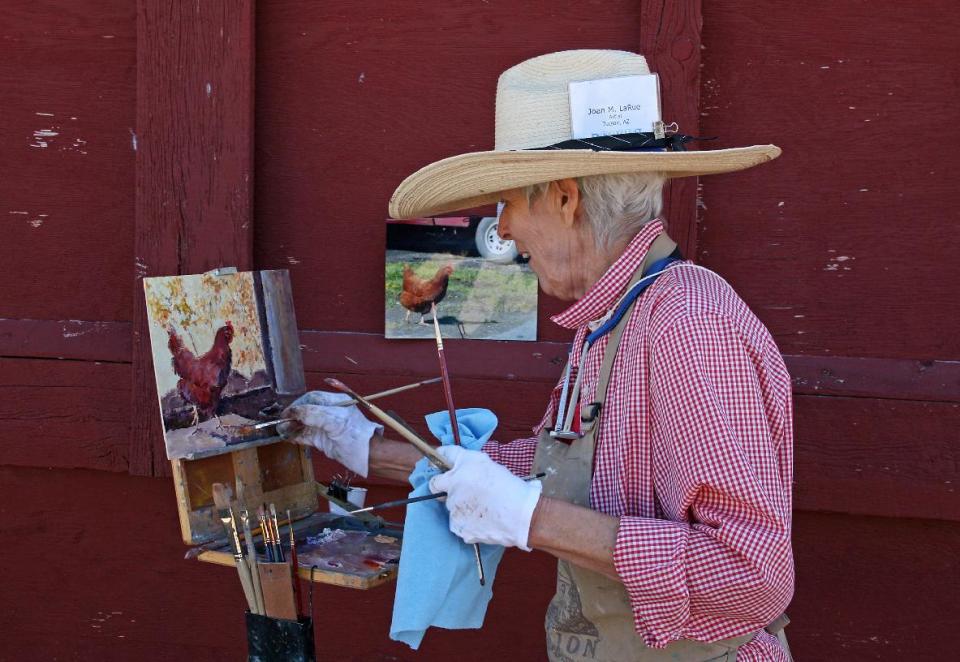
(478, 178)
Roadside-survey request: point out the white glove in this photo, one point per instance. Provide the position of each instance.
(486, 502)
(341, 433)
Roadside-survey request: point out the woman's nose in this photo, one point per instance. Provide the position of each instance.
(503, 228)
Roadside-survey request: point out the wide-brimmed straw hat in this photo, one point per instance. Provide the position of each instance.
(533, 141)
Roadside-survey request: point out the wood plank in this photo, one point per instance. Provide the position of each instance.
(877, 457)
(839, 250)
(78, 340)
(66, 157)
(322, 185)
(194, 167)
(105, 619)
(64, 414)
(670, 40)
(360, 353)
(862, 455)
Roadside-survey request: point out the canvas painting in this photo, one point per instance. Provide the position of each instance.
(226, 356)
(480, 287)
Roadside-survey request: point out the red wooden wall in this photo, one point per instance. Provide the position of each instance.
(843, 246)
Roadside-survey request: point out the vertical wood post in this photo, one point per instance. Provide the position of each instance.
(194, 178)
(670, 40)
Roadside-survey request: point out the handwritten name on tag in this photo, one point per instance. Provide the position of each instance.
(614, 105)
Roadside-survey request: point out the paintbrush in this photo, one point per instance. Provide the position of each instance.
(278, 551)
(265, 533)
(392, 423)
(252, 559)
(347, 403)
(445, 376)
(425, 497)
(294, 564)
(448, 394)
(421, 445)
(221, 498)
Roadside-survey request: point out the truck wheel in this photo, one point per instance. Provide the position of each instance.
(490, 245)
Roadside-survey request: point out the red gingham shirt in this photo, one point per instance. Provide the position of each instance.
(694, 455)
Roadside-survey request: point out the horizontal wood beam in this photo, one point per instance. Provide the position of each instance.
(868, 456)
(884, 444)
(357, 353)
(76, 340)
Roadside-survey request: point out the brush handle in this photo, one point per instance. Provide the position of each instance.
(390, 422)
(392, 391)
(252, 564)
(445, 376)
(246, 582)
(425, 497)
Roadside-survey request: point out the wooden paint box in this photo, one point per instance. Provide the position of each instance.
(282, 473)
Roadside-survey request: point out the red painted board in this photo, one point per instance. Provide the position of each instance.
(353, 97)
(115, 586)
(846, 244)
(349, 353)
(66, 339)
(64, 414)
(670, 40)
(66, 158)
(878, 457)
(194, 206)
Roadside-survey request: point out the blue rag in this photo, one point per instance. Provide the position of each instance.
(438, 583)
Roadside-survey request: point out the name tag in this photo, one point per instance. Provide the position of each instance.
(609, 106)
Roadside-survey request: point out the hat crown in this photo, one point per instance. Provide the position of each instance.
(533, 97)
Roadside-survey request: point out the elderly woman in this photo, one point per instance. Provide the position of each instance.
(667, 444)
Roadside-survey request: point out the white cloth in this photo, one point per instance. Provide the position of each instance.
(341, 433)
(486, 502)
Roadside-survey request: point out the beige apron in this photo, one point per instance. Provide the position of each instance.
(590, 617)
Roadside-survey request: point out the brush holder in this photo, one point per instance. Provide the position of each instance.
(279, 640)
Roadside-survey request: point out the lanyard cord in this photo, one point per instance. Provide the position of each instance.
(622, 307)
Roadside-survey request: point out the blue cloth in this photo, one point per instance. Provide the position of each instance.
(438, 584)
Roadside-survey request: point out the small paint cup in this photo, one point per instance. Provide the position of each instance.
(355, 495)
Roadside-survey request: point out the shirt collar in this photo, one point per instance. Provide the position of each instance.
(605, 292)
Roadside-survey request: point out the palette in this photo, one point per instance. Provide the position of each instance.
(357, 552)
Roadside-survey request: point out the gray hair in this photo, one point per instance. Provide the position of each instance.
(615, 206)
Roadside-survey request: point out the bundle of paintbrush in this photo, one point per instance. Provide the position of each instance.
(271, 586)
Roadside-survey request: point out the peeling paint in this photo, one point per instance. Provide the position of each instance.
(133, 139)
(41, 136)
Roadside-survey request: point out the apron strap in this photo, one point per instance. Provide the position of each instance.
(661, 247)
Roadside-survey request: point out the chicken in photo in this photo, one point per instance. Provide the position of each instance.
(418, 293)
(202, 378)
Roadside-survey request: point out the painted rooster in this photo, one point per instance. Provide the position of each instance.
(418, 293)
(202, 378)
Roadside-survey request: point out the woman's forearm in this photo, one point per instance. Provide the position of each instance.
(392, 459)
(576, 534)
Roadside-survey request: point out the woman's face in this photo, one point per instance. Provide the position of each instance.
(549, 231)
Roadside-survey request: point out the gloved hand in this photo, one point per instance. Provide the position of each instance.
(341, 433)
(486, 502)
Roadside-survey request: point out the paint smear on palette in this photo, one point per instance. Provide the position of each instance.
(351, 552)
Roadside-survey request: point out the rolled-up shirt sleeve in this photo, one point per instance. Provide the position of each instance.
(721, 550)
(517, 455)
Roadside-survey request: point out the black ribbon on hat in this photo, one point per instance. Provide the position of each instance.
(628, 142)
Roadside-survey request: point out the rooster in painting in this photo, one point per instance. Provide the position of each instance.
(418, 293)
(202, 378)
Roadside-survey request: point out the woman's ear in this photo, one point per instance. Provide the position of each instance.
(569, 194)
